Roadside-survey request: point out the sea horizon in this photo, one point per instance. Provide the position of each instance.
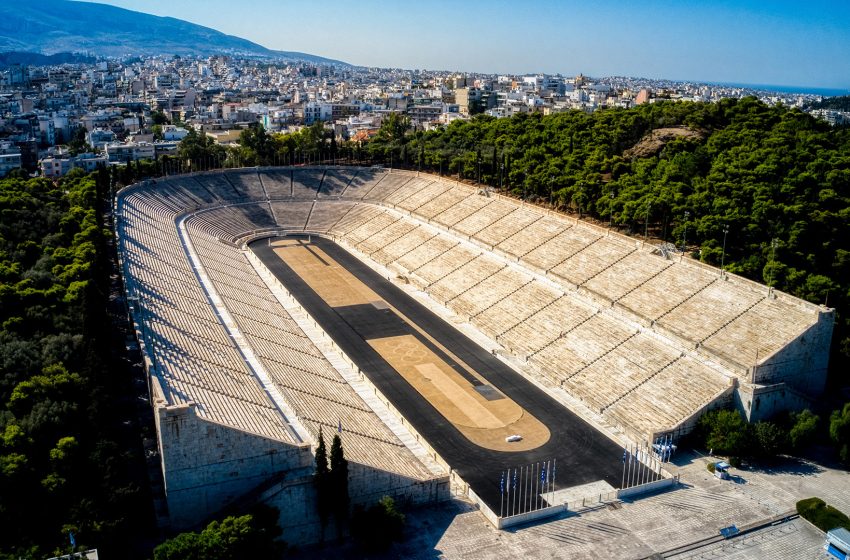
(822, 91)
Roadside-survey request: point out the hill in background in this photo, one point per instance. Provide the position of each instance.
(55, 26)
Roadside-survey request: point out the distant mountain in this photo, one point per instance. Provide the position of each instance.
(55, 26)
(38, 59)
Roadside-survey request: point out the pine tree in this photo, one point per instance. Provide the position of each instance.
(339, 482)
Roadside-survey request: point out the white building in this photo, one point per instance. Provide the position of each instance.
(173, 133)
(122, 153)
(100, 137)
(10, 158)
(59, 167)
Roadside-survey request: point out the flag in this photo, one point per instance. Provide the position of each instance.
(502, 484)
(543, 475)
(72, 539)
(625, 454)
(339, 426)
(514, 483)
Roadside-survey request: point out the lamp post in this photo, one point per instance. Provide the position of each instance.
(773, 244)
(723, 254)
(551, 188)
(501, 174)
(646, 223)
(611, 210)
(685, 233)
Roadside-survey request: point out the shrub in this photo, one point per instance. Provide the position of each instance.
(248, 536)
(770, 439)
(725, 431)
(804, 427)
(711, 468)
(377, 527)
(821, 515)
(839, 431)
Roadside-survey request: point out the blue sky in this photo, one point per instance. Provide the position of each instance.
(800, 43)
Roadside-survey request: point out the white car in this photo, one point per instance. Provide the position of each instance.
(513, 438)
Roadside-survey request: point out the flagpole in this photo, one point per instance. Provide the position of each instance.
(623, 481)
(524, 481)
(502, 494)
(554, 472)
(537, 485)
(641, 464)
(516, 498)
(509, 509)
(519, 498)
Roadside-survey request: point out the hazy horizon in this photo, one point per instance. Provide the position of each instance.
(784, 43)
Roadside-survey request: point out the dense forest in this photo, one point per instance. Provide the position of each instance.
(70, 452)
(764, 191)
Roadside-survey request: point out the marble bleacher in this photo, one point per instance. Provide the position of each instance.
(383, 237)
(625, 275)
(536, 234)
(664, 400)
(489, 214)
(335, 182)
(542, 327)
(500, 286)
(620, 371)
(220, 186)
(403, 244)
(327, 214)
(463, 278)
(507, 226)
(306, 183)
(442, 202)
(416, 187)
(664, 291)
(429, 191)
(580, 346)
(708, 310)
(760, 331)
(508, 313)
(371, 226)
(462, 210)
(278, 183)
(247, 184)
(592, 259)
(564, 335)
(191, 353)
(421, 255)
(387, 184)
(291, 214)
(362, 182)
(563, 246)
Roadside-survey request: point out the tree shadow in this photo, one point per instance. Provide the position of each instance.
(785, 465)
(424, 528)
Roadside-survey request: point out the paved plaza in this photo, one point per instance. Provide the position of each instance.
(681, 523)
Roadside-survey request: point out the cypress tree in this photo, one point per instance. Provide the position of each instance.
(339, 482)
(322, 481)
